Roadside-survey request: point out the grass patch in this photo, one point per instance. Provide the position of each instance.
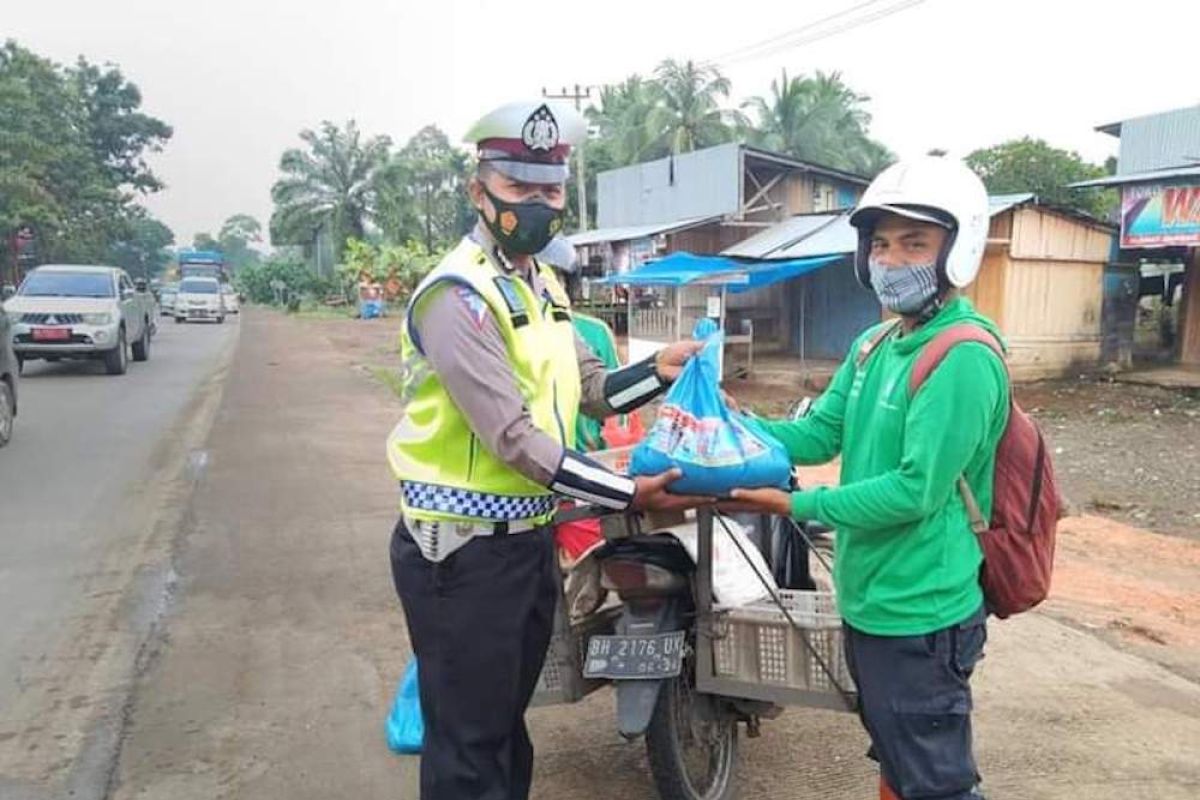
(388, 377)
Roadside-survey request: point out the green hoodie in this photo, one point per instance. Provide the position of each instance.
(907, 562)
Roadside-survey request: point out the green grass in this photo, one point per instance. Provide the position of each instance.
(389, 377)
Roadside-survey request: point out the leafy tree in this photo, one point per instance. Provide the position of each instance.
(328, 184)
(817, 119)
(258, 281)
(143, 251)
(1032, 165)
(71, 146)
(205, 241)
(237, 235)
(687, 114)
(420, 192)
(120, 135)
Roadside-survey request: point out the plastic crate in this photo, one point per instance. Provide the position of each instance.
(757, 644)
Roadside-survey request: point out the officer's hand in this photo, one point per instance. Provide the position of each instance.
(651, 494)
(670, 360)
(759, 501)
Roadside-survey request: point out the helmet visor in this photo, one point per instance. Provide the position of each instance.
(867, 216)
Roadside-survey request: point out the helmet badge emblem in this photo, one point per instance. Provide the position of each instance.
(540, 132)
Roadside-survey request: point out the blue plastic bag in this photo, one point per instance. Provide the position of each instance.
(717, 449)
(405, 727)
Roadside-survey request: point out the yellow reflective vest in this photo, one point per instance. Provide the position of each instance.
(446, 473)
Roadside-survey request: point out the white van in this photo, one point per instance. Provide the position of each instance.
(199, 298)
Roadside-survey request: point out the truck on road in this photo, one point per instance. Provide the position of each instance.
(78, 311)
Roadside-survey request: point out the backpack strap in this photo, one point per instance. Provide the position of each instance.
(933, 353)
(872, 342)
(929, 359)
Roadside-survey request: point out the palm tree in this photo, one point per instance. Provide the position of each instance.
(328, 185)
(818, 119)
(688, 114)
(621, 121)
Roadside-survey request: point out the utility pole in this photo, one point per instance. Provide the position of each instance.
(579, 95)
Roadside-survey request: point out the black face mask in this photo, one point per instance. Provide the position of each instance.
(523, 228)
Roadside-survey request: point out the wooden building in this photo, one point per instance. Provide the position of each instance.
(703, 202)
(1042, 280)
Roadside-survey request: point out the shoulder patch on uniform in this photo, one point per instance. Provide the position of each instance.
(474, 303)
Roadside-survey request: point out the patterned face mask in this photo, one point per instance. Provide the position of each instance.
(904, 290)
(523, 228)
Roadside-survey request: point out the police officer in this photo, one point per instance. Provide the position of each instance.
(494, 378)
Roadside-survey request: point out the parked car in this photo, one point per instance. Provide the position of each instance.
(230, 298)
(81, 312)
(166, 299)
(199, 298)
(9, 370)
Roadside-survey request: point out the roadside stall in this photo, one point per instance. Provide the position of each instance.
(667, 296)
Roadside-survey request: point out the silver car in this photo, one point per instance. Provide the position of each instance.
(9, 370)
(82, 312)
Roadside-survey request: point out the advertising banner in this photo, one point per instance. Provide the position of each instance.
(1160, 215)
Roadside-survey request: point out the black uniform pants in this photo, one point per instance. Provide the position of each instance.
(480, 623)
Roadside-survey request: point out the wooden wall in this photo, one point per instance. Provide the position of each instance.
(1042, 281)
(1189, 321)
(1040, 233)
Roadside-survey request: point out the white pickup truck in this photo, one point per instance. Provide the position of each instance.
(82, 312)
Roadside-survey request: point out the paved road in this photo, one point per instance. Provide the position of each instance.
(85, 501)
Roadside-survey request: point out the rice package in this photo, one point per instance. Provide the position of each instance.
(717, 449)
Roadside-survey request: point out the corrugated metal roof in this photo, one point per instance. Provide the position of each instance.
(777, 237)
(1140, 177)
(999, 203)
(628, 232)
(1157, 141)
(812, 235)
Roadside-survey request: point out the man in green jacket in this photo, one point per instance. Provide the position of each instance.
(907, 562)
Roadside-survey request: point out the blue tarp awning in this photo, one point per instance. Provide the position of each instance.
(682, 269)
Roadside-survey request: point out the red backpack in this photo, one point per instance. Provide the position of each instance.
(1018, 545)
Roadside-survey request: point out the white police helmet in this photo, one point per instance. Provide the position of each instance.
(530, 141)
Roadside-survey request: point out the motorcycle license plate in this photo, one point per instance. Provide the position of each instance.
(635, 657)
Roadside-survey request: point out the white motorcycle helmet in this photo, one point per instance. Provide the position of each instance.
(943, 191)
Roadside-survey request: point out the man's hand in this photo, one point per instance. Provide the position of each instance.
(759, 501)
(651, 494)
(669, 361)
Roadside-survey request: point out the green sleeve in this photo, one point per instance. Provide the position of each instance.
(946, 423)
(817, 438)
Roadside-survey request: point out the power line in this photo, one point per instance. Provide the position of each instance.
(738, 51)
(761, 51)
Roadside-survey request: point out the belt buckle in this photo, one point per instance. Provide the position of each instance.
(464, 529)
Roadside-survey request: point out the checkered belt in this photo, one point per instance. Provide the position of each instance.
(437, 540)
(475, 505)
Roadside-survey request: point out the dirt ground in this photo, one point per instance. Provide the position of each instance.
(280, 660)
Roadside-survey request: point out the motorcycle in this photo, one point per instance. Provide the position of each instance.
(678, 661)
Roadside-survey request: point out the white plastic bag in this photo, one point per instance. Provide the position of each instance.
(736, 580)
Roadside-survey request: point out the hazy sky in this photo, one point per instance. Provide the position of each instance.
(239, 80)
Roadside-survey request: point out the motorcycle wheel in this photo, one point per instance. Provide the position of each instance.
(692, 744)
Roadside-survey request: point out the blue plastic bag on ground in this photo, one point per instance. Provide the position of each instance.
(405, 727)
(717, 449)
